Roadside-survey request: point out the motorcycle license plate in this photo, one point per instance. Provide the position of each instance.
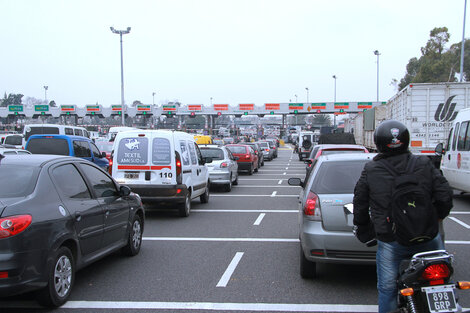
(440, 299)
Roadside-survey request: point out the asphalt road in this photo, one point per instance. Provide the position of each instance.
(237, 253)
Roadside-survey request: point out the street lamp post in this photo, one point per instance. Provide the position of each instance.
(153, 98)
(376, 52)
(306, 88)
(463, 43)
(334, 115)
(296, 101)
(122, 32)
(45, 93)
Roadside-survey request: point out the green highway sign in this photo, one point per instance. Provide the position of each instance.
(15, 108)
(41, 108)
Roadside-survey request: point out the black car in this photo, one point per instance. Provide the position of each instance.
(259, 152)
(57, 215)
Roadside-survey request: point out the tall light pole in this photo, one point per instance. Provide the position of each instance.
(122, 32)
(153, 98)
(334, 115)
(296, 101)
(463, 42)
(45, 92)
(306, 88)
(376, 52)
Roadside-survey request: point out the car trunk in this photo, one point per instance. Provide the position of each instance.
(332, 211)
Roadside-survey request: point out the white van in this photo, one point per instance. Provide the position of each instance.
(306, 142)
(53, 129)
(161, 166)
(116, 129)
(455, 162)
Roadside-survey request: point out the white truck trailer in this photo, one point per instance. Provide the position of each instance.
(427, 110)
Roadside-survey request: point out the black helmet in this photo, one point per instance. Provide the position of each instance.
(391, 136)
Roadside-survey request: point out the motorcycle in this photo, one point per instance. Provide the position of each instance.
(424, 284)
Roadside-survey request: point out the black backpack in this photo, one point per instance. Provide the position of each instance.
(411, 210)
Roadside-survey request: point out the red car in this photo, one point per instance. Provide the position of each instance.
(247, 158)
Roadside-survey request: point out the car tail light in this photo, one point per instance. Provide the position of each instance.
(3, 275)
(224, 164)
(179, 171)
(110, 168)
(247, 156)
(13, 225)
(436, 273)
(312, 206)
(267, 150)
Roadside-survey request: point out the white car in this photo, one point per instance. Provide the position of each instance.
(161, 166)
(8, 149)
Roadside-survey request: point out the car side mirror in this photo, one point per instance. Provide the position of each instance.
(103, 154)
(308, 161)
(439, 149)
(124, 191)
(294, 181)
(207, 160)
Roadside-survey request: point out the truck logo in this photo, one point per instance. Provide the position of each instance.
(446, 112)
(132, 144)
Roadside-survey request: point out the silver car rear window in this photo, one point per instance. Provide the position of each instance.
(214, 153)
(337, 177)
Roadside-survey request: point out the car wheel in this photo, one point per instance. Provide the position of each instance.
(205, 196)
(185, 207)
(134, 242)
(61, 276)
(228, 186)
(308, 269)
(235, 182)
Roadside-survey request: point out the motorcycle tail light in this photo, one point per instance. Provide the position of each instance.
(407, 292)
(312, 206)
(464, 285)
(436, 273)
(13, 225)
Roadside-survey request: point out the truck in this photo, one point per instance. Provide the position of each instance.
(427, 110)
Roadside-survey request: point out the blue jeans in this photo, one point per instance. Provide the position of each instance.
(389, 256)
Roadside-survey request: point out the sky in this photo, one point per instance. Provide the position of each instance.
(243, 51)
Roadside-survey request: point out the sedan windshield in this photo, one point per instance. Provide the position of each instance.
(17, 181)
(337, 177)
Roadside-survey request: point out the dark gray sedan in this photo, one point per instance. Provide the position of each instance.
(57, 215)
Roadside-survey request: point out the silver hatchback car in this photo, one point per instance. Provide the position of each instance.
(224, 167)
(325, 213)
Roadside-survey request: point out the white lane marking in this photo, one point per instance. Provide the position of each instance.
(221, 239)
(281, 196)
(451, 242)
(266, 186)
(243, 211)
(287, 168)
(230, 269)
(284, 173)
(274, 194)
(280, 182)
(214, 306)
(259, 219)
(459, 212)
(460, 222)
(248, 179)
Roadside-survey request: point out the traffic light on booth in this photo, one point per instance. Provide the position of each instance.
(43, 113)
(272, 112)
(92, 113)
(296, 111)
(341, 111)
(318, 111)
(68, 113)
(119, 112)
(16, 113)
(219, 113)
(245, 113)
(193, 114)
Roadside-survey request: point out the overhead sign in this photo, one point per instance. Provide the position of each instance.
(116, 107)
(341, 105)
(41, 108)
(67, 108)
(247, 107)
(272, 106)
(143, 107)
(15, 108)
(169, 108)
(194, 107)
(318, 106)
(93, 108)
(296, 106)
(364, 105)
(220, 107)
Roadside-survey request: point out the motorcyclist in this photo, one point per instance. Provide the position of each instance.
(372, 197)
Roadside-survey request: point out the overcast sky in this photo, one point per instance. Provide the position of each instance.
(239, 51)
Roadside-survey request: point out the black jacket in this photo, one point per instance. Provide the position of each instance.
(374, 190)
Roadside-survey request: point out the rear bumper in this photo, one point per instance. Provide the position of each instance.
(244, 166)
(161, 193)
(219, 178)
(324, 246)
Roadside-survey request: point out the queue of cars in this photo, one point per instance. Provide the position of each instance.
(95, 199)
